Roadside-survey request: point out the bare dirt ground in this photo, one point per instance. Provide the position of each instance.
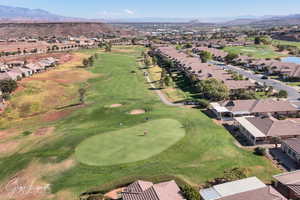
(114, 194)
(8, 133)
(44, 131)
(54, 116)
(137, 112)
(28, 184)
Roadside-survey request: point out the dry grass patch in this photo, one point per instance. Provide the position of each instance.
(9, 147)
(28, 184)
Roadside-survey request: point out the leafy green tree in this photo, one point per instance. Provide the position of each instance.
(230, 57)
(108, 47)
(213, 89)
(85, 62)
(257, 40)
(205, 56)
(282, 94)
(8, 86)
(190, 193)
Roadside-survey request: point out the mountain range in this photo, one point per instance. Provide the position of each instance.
(8, 13)
(18, 14)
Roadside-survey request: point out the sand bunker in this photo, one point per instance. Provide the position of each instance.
(137, 112)
(115, 105)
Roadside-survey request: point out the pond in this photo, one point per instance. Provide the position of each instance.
(291, 60)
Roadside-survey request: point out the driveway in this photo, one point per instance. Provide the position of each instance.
(293, 94)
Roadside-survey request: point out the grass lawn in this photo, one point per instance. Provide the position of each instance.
(130, 145)
(256, 51)
(173, 93)
(283, 42)
(294, 83)
(203, 153)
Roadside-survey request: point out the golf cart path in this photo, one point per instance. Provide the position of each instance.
(159, 92)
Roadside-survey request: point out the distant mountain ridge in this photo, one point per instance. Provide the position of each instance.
(25, 14)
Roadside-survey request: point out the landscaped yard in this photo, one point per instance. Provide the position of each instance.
(94, 144)
(256, 51)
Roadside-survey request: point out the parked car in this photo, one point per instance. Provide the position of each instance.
(264, 77)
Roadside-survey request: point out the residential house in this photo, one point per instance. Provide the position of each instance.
(14, 74)
(263, 130)
(288, 184)
(194, 68)
(229, 108)
(245, 189)
(292, 148)
(34, 67)
(26, 72)
(142, 190)
(15, 64)
(4, 76)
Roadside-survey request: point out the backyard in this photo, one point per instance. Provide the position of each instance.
(106, 139)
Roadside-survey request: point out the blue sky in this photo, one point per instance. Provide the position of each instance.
(161, 8)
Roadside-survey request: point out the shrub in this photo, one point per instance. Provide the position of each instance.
(26, 133)
(282, 94)
(260, 151)
(190, 193)
(202, 103)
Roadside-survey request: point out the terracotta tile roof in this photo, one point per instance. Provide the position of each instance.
(293, 143)
(272, 127)
(259, 106)
(141, 190)
(266, 193)
(204, 70)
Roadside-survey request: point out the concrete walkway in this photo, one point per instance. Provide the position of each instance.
(160, 94)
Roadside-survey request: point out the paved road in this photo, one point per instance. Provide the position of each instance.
(159, 93)
(293, 94)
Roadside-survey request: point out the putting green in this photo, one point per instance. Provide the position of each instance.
(130, 145)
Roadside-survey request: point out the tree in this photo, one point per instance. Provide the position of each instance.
(81, 92)
(205, 56)
(213, 89)
(282, 94)
(85, 62)
(260, 151)
(230, 57)
(257, 41)
(91, 61)
(163, 77)
(187, 46)
(190, 193)
(108, 47)
(8, 86)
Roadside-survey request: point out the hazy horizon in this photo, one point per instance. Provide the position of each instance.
(190, 9)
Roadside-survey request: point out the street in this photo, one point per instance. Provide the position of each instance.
(293, 93)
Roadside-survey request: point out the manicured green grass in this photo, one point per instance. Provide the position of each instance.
(205, 151)
(130, 145)
(283, 42)
(256, 51)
